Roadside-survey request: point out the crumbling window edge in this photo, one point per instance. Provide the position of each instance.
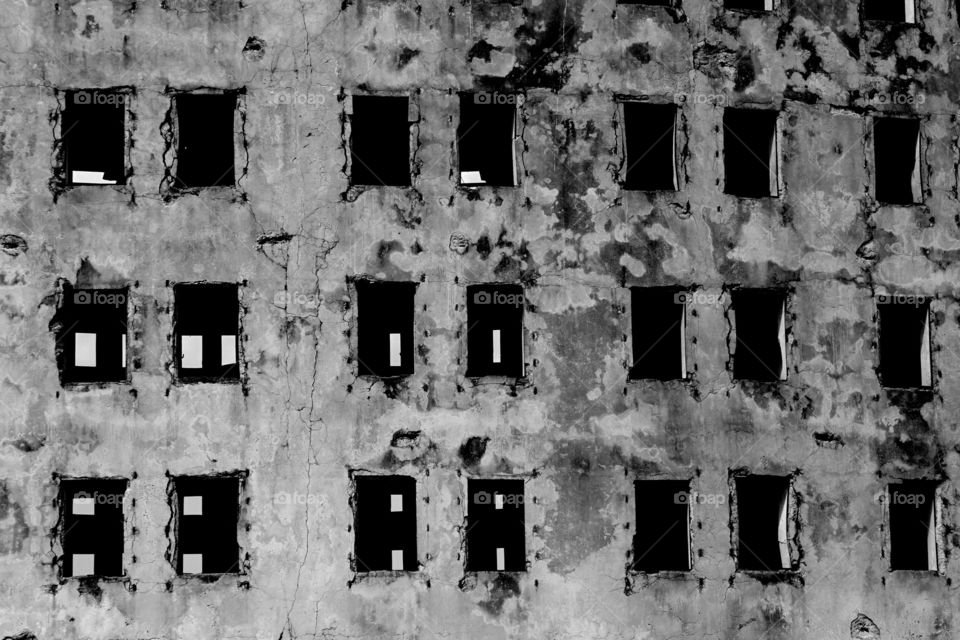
(921, 175)
(244, 562)
(413, 125)
(517, 146)
(771, 8)
(681, 139)
(353, 339)
(913, 6)
(776, 183)
(788, 344)
(480, 381)
(686, 344)
(940, 534)
(792, 575)
(927, 355)
(635, 578)
(421, 574)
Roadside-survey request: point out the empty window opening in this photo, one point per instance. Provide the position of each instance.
(890, 10)
(896, 148)
(750, 155)
(651, 160)
(208, 510)
(652, 3)
(92, 130)
(763, 512)
(495, 526)
(662, 538)
(92, 335)
(913, 525)
(658, 321)
(760, 321)
(385, 510)
(205, 143)
(92, 534)
(749, 5)
(380, 141)
(495, 330)
(904, 341)
(385, 312)
(206, 326)
(485, 139)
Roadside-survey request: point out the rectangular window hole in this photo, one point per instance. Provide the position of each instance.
(750, 154)
(662, 538)
(658, 323)
(495, 528)
(890, 10)
(380, 141)
(913, 525)
(385, 315)
(760, 323)
(386, 523)
(749, 5)
(763, 527)
(91, 335)
(92, 534)
(495, 330)
(93, 133)
(206, 326)
(485, 140)
(904, 341)
(208, 512)
(896, 148)
(205, 140)
(650, 133)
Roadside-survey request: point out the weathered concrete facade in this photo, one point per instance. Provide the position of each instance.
(294, 232)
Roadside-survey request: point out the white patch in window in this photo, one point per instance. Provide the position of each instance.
(84, 507)
(397, 560)
(83, 564)
(85, 350)
(90, 177)
(471, 177)
(396, 502)
(228, 350)
(191, 352)
(496, 346)
(193, 505)
(193, 563)
(501, 563)
(395, 350)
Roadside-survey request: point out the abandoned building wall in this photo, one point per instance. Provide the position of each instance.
(293, 232)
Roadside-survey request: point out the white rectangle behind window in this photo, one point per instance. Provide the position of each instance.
(193, 505)
(932, 537)
(498, 501)
(470, 177)
(496, 346)
(909, 11)
(396, 502)
(782, 337)
(395, 350)
(782, 531)
(83, 564)
(500, 559)
(193, 563)
(83, 507)
(191, 352)
(85, 350)
(228, 350)
(397, 560)
(925, 353)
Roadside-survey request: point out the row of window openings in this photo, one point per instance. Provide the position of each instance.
(93, 137)
(385, 525)
(875, 10)
(206, 326)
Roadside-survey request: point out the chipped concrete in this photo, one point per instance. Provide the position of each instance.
(573, 426)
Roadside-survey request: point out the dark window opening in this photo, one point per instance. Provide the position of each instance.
(385, 313)
(485, 139)
(206, 326)
(763, 510)
(208, 511)
(92, 335)
(92, 534)
(662, 538)
(658, 322)
(380, 141)
(651, 149)
(386, 523)
(904, 341)
(495, 526)
(205, 127)
(760, 321)
(92, 130)
(652, 3)
(750, 153)
(913, 525)
(896, 147)
(495, 330)
(749, 5)
(890, 10)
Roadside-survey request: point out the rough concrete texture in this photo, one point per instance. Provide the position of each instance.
(301, 419)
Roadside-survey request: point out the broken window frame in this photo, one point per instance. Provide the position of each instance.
(124, 93)
(787, 530)
(514, 139)
(783, 332)
(936, 561)
(496, 336)
(407, 343)
(769, 6)
(679, 298)
(918, 180)
(171, 183)
(676, 160)
(176, 335)
(417, 518)
(926, 348)
(413, 117)
(176, 494)
(911, 13)
(69, 488)
(674, 483)
(774, 162)
(65, 347)
(493, 499)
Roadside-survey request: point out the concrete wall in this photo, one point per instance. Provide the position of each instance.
(301, 418)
